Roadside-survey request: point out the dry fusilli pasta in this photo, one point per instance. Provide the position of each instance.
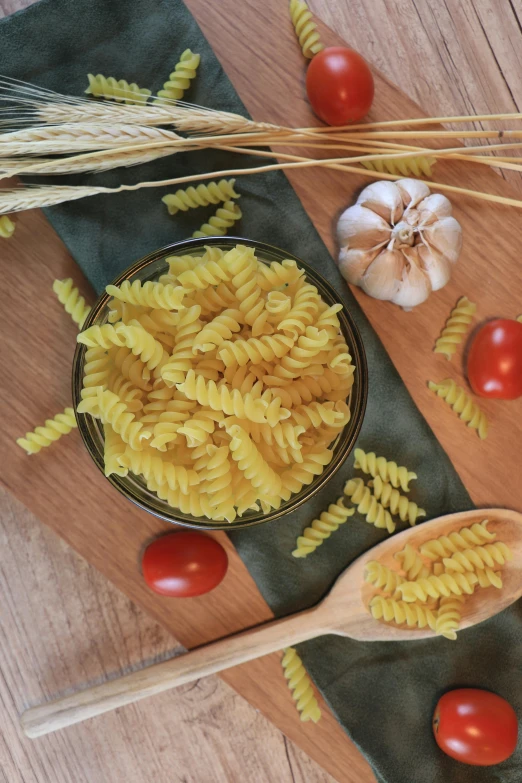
(300, 684)
(74, 304)
(478, 558)
(180, 78)
(401, 612)
(388, 471)
(445, 546)
(148, 294)
(305, 28)
(223, 219)
(322, 528)
(389, 497)
(448, 616)
(462, 404)
(456, 327)
(7, 227)
(437, 586)
(418, 166)
(384, 578)
(368, 505)
(52, 430)
(200, 196)
(111, 89)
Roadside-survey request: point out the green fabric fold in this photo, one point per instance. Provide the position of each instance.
(383, 694)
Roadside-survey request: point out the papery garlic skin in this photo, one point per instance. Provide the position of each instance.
(399, 242)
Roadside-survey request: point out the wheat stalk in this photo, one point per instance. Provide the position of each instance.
(19, 199)
(94, 162)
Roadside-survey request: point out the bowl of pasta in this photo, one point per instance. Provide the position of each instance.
(219, 384)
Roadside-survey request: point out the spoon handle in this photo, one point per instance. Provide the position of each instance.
(201, 662)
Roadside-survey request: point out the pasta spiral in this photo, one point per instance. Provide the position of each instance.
(97, 370)
(456, 326)
(254, 350)
(389, 497)
(278, 274)
(411, 563)
(200, 426)
(7, 227)
(368, 505)
(218, 224)
(218, 330)
(181, 360)
(218, 478)
(299, 360)
(104, 336)
(149, 464)
(462, 404)
(322, 528)
(301, 686)
(200, 196)
(489, 578)
(383, 577)
(52, 430)
(230, 401)
(114, 412)
(251, 463)
(418, 166)
(277, 306)
(180, 78)
(479, 557)
(388, 471)
(114, 448)
(400, 612)
(448, 616)
(467, 537)
(111, 89)
(314, 462)
(305, 28)
(74, 304)
(437, 586)
(132, 368)
(303, 312)
(148, 294)
(142, 344)
(125, 390)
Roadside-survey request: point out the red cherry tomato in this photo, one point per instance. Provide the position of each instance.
(339, 85)
(185, 564)
(476, 727)
(495, 360)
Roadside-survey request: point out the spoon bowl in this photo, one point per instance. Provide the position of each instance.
(344, 612)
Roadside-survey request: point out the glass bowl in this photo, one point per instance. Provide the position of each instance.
(133, 487)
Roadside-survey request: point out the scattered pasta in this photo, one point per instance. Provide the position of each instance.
(462, 404)
(111, 89)
(200, 196)
(388, 471)
(368, 505)
(7, 227)
(431, 586)
(419, 166)
(301, 685)
(180, 78)
(322, 528)
(223, 219)
(186, 393)
(52, 430)
(305, 28)
(389, 497)
(456, 327)
(74, 304)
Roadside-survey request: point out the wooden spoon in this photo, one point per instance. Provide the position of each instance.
(344, 611)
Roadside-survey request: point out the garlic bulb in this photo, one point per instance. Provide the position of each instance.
(399, 242)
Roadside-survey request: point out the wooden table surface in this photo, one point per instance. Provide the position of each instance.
(64, 624)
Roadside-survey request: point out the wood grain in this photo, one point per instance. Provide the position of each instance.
(65, 491)
(61, 623)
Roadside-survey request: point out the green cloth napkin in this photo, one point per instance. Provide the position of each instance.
(383, 694)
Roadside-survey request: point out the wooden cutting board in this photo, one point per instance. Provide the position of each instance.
(256, 44)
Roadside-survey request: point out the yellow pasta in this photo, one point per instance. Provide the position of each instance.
(389, 497)
(52, 430)
(74, 304)
(179, 80)
(7, 227)
(223, 219)
(478, 558)
(445, 546)
(411, 563)
(456, 327)
(111, 89)
(489, 578)
(368, 505)
(305, 28)
(401, 612)
(437, 586)
(184, 378)
(462, 404)
(418, 166)
(301, 686)
(382, 577)
(322, 528)
(388, 471)
(448, 617)
(200, 196)
(519, 319)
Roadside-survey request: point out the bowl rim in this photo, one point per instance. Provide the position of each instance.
(359, 404)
